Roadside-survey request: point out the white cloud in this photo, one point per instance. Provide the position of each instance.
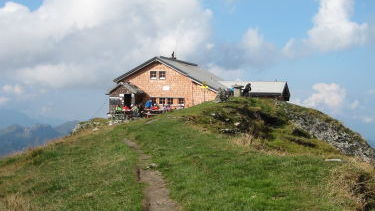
(368, 119)
(326, 95)
(371, 92)
(251, 52)
(354, 105)
(58, 76)
(332, 30)
(228, 74)
(256, 50)
(296, 101)
(47, 109)
(15, 89)
(253, 40)
(69, 43)
(3, 100)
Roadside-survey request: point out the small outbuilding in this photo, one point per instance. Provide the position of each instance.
(266, 89)
(125, 94)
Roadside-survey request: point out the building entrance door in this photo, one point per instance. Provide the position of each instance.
(127, 100)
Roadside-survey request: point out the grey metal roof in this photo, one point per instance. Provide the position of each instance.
(129, 86)
(269, 87)
(188, 69)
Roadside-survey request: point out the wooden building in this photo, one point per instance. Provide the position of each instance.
(177, 83)
(165, 80)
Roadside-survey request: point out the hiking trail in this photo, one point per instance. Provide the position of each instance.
(156, 193)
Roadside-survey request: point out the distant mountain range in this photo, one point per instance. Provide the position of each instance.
(16, 138)
(10, 117)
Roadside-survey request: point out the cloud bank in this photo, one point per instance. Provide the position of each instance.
(88, 42)
(13, 89)
(332, 30)
(326, 95)
(3, 100)
(251, 52)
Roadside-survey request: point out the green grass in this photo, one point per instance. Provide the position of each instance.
(262, 163)
(84, 172)
(282, 168)
(206, 172)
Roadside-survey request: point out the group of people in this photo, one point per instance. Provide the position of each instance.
(151, 106)
(147, 109)
(134, 109)
(155, 107)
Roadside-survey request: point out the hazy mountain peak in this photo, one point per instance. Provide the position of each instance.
(16, 137)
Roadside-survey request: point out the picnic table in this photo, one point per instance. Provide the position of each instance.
(152, 112)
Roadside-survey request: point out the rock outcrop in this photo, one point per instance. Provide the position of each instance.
(329, 130)
(95, 123)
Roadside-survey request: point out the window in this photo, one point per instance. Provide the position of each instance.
(170, 101)
(115, 101)
(181, 101)
(153, 75)
(161, 101)
(162, 75)
(153, 100)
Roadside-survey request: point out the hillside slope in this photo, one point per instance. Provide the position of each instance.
(245, 154)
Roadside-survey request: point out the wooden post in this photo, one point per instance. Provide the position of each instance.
(204, 87)
(133, 99)
(237, 90)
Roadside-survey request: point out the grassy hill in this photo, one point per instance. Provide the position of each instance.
(244, 154)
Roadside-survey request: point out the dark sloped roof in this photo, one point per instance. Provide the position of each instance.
(188, 69)
(127, 85)
(263, 88)
(277, 87)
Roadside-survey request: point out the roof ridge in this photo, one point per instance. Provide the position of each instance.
(177, 60)
(254, 81)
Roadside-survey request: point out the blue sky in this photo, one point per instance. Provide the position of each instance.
(59, 56)
(32, 4)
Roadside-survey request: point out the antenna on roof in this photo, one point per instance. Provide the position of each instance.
(173, 55)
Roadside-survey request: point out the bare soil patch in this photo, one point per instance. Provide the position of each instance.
(156, 193)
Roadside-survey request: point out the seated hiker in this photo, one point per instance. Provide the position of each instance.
(125, 108)
(155, 107)
(135, 110)
(148, 104)
(118, 109)
(167, 107)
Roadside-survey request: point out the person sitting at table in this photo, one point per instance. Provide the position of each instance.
(135, 110)
(155, 107)
(118, 109)
(148, 104)
(125, 108)
(167, 107)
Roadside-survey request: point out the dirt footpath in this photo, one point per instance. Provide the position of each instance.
(156, 193)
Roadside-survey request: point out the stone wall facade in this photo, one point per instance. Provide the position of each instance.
(175, 86)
